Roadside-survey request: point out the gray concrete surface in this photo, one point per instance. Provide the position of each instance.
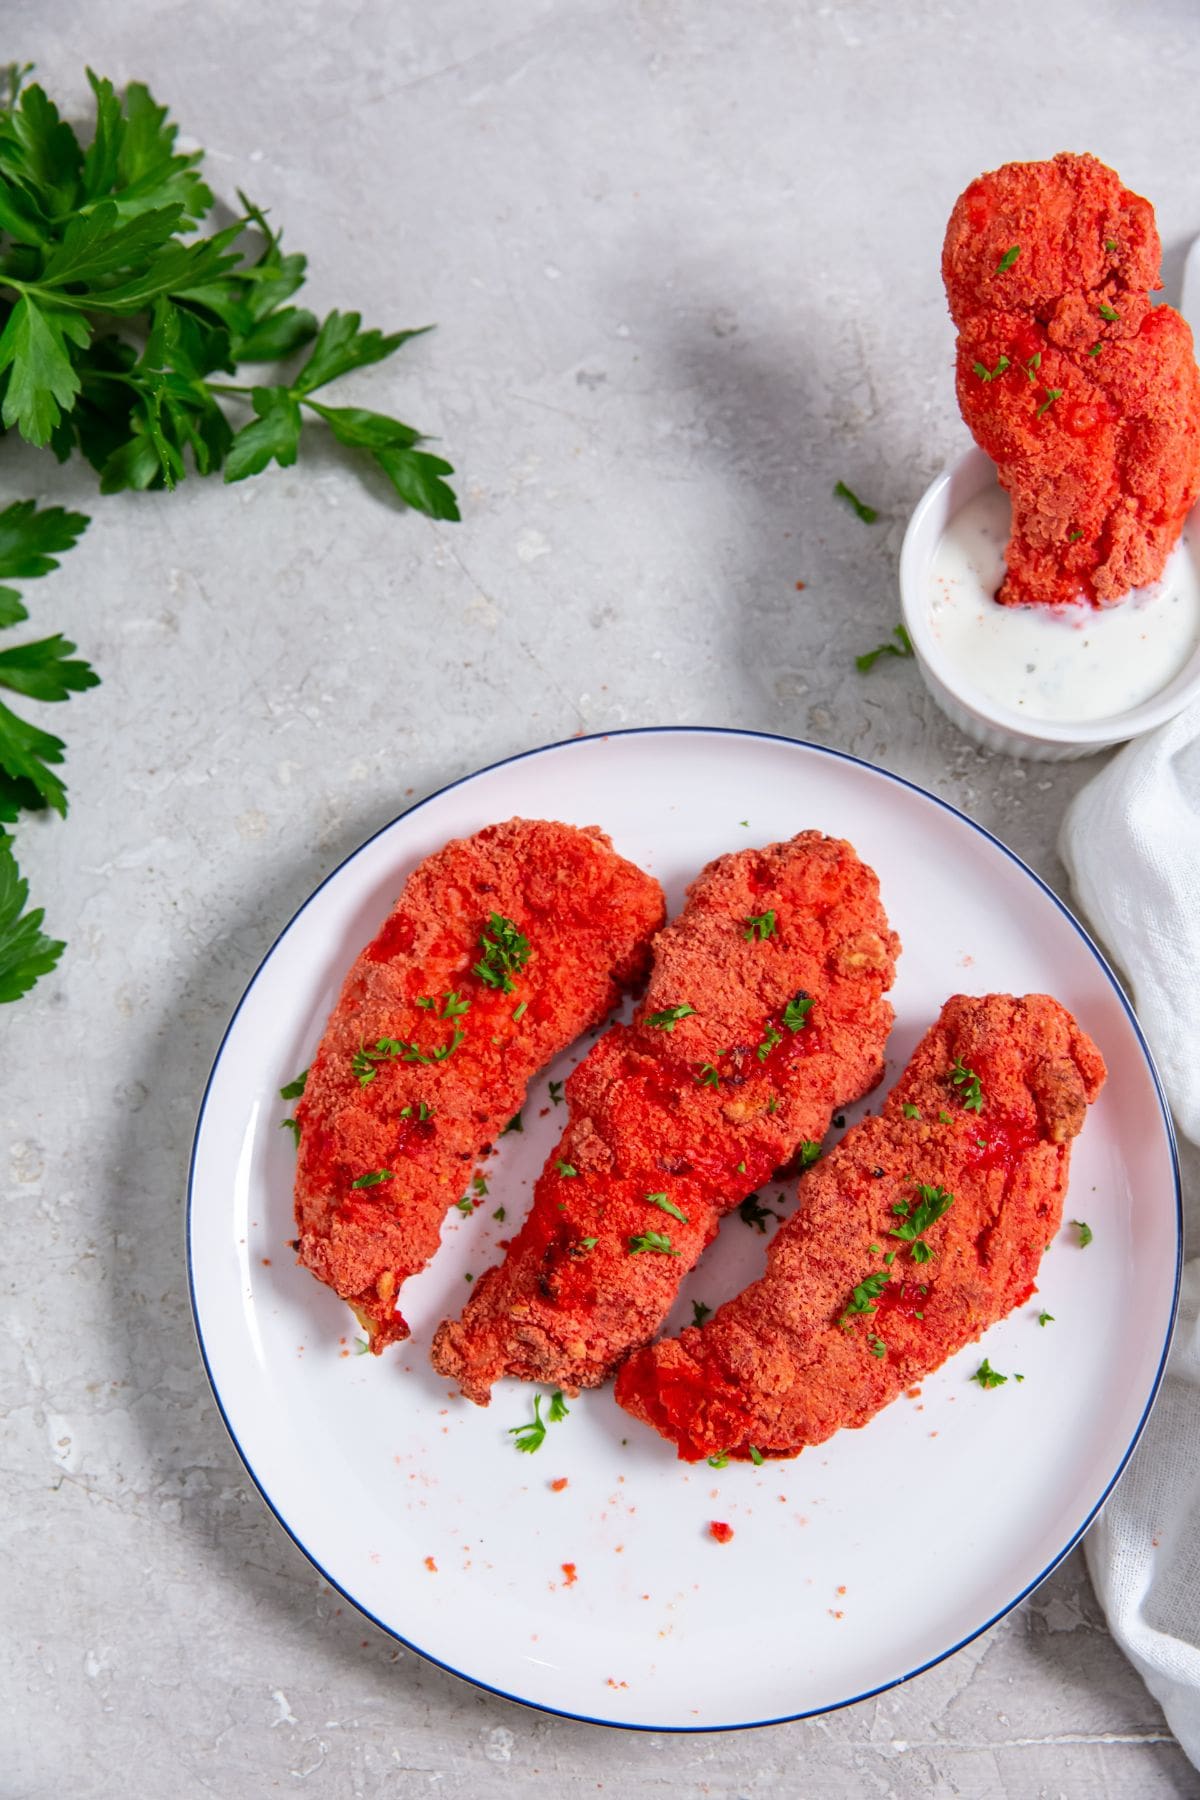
(684, 265)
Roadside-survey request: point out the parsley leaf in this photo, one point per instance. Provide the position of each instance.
(1008, 259)
(986, 374)
(558, 1406)
(987, 1377)
(810, 1153)
(719, 1460)
(1045, 1318)
(934, 1202)
(652, 1240)
(26, 953)
(294, 1089)
(505, 953)
(374, 1179)
(795, 1013)
(669, 1017)
(532, 1436)
(967, 1083)
(700, 1312)
(902, 647)
(556, 1091)
(760, 925)
(864, 1296)
(292, 1125)
(274, 436)
(867, 514)
(769, 1042)
(1085, 1233)
(667, 1206)
(708, 1076)
(753, 1213)
(565, 1168)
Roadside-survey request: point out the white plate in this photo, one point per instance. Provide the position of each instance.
(851, 1568)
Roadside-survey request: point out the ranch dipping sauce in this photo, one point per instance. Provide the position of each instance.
(1057, 663)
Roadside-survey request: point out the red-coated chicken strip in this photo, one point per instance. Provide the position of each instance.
(1085, 397)
(920, 1229)
(764, 1012)
(501, 949)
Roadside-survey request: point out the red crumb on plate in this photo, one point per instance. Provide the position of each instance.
(556, 1487)
(719, 1530)
(431, 1565)
(570, 1575)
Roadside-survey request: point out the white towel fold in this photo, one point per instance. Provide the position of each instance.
(1131, 844)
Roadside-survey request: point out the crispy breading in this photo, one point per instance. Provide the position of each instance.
(1094, 419)
(427, 1107)
(781, 1021)
(833, 1331)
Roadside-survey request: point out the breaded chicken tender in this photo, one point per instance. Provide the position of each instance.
(1085, 397)
(920, 1229)
(501, 949)
(765, 1010)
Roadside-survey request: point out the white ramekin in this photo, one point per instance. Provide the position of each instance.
(995, 726)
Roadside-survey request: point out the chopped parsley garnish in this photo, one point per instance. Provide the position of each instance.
(910, 1111)
(772, 1038)
(986, 374)
(760, 925)
(292, 1125)
(505, 953)
(514, 1124)
(363, 1061)
(945, 1119)
(565, 1168)
(422, 1113)
(1110, 243)
(1035, 362)
(499, 1215)
(810, 1152)
(530, 1437)
(700, 1312)
(652, 1240)
(1052, 394)
(901, 1207)
(556, 1088)
(902, 647)
(795, 1013)
(772, 1106)
(1045, 1318)
(863, 1299)
(934, 1202)
(667, 1206)
(876, 1345)
(1085, 1233)
(669, 1017)
(867, 514)
(720, 1460)
(1008, 259)
(373, 1179)
(294, 1089)
(583, 1246)
(412, 1054)
(1073, 537)
(752, 1213)
(465, 1205)
(708, 1076)
(558, 1406)
(967, 1083)
(987, 1377)
(874, 1249)
(741, 1168)
(1106, 312)
(1095, 349)
(479, 1183)
(519, 1011)
(756, 1455)
(453, 1005)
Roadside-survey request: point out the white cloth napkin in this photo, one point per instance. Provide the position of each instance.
(1131, 844)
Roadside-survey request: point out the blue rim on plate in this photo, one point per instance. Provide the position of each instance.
(1102, 961)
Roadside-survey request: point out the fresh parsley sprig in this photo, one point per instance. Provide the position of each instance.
(115, 317)
(31, 541)
(505, 953)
